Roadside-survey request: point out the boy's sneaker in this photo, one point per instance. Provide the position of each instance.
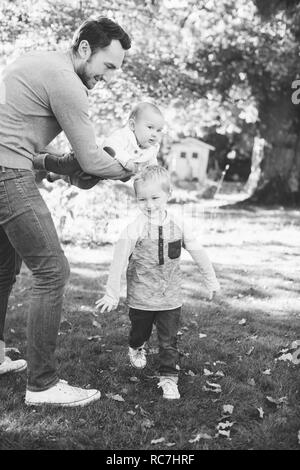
(137, 357)
(169, 387)
(62, 394)
(8, 365)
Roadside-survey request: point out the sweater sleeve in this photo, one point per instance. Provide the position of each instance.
(192, 244)
(122, 251)
(117, 142)
(69, 102)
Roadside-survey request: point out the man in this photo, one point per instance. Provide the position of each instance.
(41, 94)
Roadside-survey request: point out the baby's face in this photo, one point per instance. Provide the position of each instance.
(148, 128)
(152, 198)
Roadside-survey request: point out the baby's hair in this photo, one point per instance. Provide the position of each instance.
(141, 107)
(154, 173)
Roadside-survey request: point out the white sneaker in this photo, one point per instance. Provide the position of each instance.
(137, 357)
(62, 394)
(12, 366)
(170, 389)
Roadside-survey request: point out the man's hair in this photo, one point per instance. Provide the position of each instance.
(154, 173)
(141, 107)
(99, 33)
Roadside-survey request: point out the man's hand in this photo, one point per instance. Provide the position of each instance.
(106, 303)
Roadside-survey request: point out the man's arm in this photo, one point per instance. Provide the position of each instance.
(69, 103)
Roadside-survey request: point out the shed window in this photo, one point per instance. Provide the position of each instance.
(195, 155)
(183, 154)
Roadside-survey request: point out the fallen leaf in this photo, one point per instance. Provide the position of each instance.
(267, 372)
(115, 397)
(96, 324)
(134, 379)
(251, 382)
(199, 436)
(296, 357)
(191, 373)
(295, 344)
(12, 330)
(228, 409)
(157, 441)
(250, 351)
(260, 412)
(132, 413)
(207, 372)
(212, 387)
(276, 401)
(92, 338)
(224, 428)
(242, 321)
(285, 357)
(219, 373)
(124, 390)
(170, 444)
(179, 333)
(219, 362)
(202, 335)
(185, 328)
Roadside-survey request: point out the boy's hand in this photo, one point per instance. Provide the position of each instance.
(106, 303)
(214, 295)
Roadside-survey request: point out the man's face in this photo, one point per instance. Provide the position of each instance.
(101, 65)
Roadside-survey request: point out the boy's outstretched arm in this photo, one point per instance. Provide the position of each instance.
(192, 244)
(122, 251)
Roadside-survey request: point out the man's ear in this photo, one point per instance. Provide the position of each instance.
(84, 50)
(131, 124)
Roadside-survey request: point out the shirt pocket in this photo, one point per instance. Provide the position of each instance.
(174, 249)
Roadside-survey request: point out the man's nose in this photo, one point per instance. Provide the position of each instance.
(108, 75)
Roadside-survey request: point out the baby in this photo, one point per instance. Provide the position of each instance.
(149, 249)
(135, 145)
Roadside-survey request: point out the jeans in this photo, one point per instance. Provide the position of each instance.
(167, 325)
(27, 233)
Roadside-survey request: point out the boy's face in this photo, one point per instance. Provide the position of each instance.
(147, 128)
(151, 198)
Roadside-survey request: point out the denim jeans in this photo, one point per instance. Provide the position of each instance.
(27, 233)
(167, 325)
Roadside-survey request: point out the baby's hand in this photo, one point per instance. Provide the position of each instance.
(131, 166)
(106, 303)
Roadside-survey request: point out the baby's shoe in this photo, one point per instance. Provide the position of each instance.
(137, 357)
(169, 387)
(8, 365)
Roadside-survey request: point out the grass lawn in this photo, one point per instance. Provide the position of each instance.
(256, 256)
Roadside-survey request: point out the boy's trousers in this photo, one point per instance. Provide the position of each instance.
(167, 325)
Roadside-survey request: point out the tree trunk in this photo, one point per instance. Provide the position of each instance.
(279, 178)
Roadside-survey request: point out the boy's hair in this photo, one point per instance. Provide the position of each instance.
(141, 107)
(154, 173)
(99, 33)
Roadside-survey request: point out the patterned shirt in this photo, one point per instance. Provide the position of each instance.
(150, 254)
